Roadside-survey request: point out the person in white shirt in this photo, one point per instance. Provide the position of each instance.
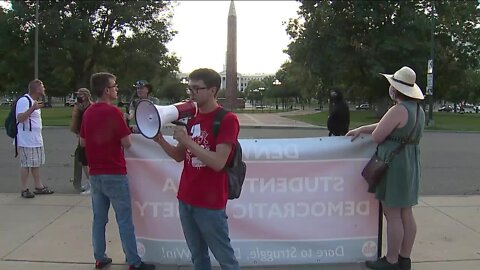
(29, 138)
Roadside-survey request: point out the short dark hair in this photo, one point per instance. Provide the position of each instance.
(99, 81)
(210, 77)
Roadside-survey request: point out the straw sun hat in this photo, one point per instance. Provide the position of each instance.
(404, 81)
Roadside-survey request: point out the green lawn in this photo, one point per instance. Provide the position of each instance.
(61, 116)
(443, 120)
(58, 116)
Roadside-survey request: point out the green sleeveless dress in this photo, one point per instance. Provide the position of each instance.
(399, 187)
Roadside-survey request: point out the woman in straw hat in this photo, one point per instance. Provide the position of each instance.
(398, 189)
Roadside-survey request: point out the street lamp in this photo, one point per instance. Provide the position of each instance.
(429, 91)
(276, 83)
(261, 89)
(36, 41)
(256, 91)
(186, 91)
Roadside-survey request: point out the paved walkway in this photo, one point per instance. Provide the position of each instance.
(274, 119)
(53, 232)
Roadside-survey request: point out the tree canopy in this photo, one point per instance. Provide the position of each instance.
(346, 44)
(78, 38)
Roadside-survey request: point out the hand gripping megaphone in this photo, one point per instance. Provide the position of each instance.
(151, 118)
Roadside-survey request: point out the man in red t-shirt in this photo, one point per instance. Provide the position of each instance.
(105, 134)
(203, 190)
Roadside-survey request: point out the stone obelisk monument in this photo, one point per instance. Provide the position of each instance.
(231, 80)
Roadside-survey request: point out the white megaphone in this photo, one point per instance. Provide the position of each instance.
(151, 118)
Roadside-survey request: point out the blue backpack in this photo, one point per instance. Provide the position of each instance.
(11, 124)
(237, 168)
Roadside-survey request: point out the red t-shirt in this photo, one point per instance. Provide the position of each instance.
(103, 127)
(200, 185)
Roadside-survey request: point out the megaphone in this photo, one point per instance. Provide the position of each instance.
(151, 118)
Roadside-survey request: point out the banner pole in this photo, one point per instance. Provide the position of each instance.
(380, 229)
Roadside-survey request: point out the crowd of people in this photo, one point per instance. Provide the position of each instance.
(203, 189)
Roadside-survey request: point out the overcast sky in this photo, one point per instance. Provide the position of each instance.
(201, 40)
(202, 34)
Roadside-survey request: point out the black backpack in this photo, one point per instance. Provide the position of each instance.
(237, 168)
(11, 124)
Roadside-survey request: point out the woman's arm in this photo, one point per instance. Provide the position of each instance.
(368, 129)
(396, 117)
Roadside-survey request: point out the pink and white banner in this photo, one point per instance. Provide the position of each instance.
(303, 202)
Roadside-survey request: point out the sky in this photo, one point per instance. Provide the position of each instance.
(201, 40)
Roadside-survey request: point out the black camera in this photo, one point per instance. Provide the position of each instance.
(79, 99)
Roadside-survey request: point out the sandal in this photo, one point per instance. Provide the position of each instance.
(27, 194)
(42, 191)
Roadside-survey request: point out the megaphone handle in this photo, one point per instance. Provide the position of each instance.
(127, 112)
(179, 123)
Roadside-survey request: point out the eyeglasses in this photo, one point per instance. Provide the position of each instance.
(195, 89)
(113, 86)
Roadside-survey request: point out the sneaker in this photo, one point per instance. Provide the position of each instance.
(381, 264)
(27, 194)
(102, 264)
(142, 266)
(85, 187)
(86, 192)
(404, 263)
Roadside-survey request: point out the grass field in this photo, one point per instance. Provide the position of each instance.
(443, 120)
(61, 116)
(58, 116)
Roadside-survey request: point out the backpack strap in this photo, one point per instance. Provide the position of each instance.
(29, 105)
(29, 120)
(16, 146)
(218, 120)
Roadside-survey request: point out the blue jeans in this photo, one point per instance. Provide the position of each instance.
(203, 229)
(106, 189)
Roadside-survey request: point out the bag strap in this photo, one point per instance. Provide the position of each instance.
(402, 144)
(29, 121)
(216, 125)
(29, 105)
(218, 120)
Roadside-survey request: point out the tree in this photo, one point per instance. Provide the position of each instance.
(78, 38)
(252, 90)
(347, 44)
(172, 89)
(15, 53)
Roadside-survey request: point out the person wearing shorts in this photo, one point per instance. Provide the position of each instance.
(30, 140)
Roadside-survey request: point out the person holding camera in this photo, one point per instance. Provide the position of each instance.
(84, 100)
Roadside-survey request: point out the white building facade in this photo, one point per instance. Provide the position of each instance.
(242, 80)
